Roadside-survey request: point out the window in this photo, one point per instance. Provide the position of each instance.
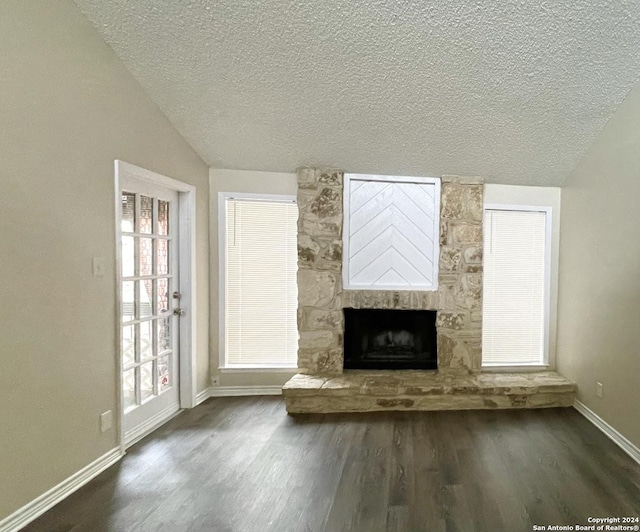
(391, 232)
(259, 271)
(516, 286)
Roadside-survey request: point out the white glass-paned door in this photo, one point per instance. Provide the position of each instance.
(149, 294)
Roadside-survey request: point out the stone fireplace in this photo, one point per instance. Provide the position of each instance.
(458, 300)
(324, 385)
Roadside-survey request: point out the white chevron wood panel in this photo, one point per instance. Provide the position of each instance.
(393, 199)
(391, 217)
(404, 253)
(391, 232)
(389, 260)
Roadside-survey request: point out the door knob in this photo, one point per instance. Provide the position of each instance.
(178, 311)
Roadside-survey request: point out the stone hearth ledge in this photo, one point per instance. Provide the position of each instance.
(364, 391)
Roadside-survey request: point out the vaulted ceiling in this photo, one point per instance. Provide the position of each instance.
(511, 90)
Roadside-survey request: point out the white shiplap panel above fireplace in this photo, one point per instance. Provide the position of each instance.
(391, 232)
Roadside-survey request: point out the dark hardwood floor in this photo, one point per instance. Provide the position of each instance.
(243, 465)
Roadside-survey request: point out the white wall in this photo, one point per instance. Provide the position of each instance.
(68, 108)
(599, 303)
(239, 181)
(537, 197)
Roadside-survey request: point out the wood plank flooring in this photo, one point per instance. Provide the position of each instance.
(243, 465)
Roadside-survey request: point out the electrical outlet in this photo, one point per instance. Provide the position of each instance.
(599, 389)
(98, 266)
(106, 421)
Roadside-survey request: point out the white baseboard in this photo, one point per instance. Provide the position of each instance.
(203, 396)
(151, 424)
(238, 391)
(37, 507)
(609, 431)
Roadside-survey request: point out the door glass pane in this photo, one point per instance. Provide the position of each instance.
(146, 340)
(163, 296)
(163, 374)
(146, 214)
(129, 388)
(128, 212)
(128, 254)
(128, 345)
(164, 334)
(163, 217)
(128, 301)
(146, 298)
(163, 256)
(146, 381)
(146, 256)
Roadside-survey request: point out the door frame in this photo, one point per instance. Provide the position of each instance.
(187, 280)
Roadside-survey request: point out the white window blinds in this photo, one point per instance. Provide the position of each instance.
(261, 294)
(513, 329)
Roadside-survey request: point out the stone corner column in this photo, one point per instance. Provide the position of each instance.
(459, 321)
(320, 321)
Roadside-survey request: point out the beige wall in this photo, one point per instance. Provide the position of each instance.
(68, 108)
(256, 183)
(537, 197)
(599, 300)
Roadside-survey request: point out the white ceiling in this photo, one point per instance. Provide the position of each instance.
(511, 90)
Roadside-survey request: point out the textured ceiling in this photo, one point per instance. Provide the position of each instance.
(512, 90)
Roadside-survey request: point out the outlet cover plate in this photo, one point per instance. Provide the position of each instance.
(106, 421)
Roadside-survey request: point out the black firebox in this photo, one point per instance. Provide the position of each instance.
(390, 339)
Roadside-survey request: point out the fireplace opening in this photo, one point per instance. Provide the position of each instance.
(390, 339)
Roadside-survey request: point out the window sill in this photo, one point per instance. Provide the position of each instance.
(516, 369)
(257, 369)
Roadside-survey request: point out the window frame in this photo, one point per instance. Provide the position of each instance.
(223, 365)
(548, 235)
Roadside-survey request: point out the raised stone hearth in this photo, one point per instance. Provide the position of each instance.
(458, 382)
(364, 391)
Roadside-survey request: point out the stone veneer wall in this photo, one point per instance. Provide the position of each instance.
(321, 298)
